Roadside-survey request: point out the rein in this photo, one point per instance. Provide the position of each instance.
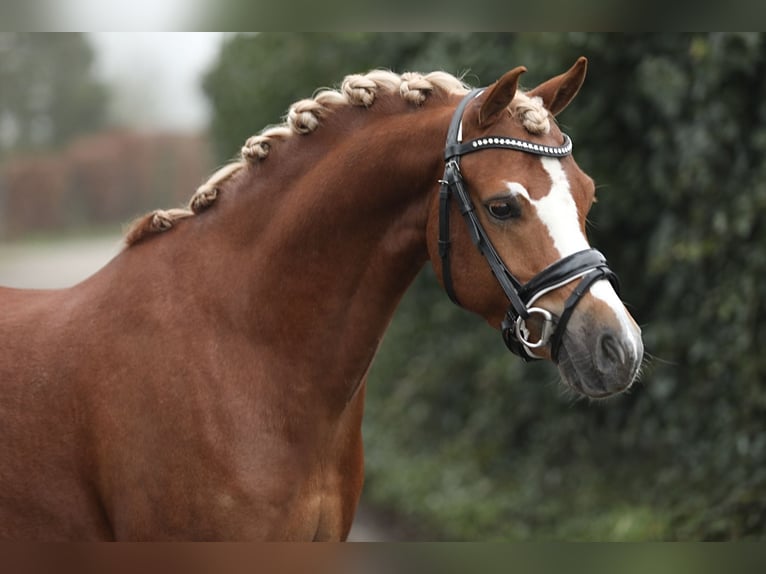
(588, 265)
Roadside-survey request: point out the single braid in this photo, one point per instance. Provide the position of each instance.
(259, 146)
(203, 199)
(415, 88)
(360, 90)
(303, 116)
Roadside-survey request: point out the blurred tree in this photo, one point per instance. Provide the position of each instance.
(47, 91)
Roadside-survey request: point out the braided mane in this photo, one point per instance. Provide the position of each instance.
(305, 116)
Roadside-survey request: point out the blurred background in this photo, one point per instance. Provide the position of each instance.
(463, 441)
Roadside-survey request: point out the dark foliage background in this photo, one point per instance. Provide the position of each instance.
(468, 443)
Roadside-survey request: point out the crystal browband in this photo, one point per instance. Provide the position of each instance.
(459, 149)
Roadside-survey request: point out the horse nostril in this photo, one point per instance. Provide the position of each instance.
(610, 352)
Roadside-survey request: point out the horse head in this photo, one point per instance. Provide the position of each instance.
(525, 201)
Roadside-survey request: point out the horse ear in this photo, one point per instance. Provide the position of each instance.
(557, 92)
(499, 96)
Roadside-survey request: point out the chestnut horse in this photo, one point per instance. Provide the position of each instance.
(208, 383)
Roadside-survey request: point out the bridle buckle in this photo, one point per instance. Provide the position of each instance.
(546, 330)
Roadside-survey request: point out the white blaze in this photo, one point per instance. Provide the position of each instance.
(558, 212)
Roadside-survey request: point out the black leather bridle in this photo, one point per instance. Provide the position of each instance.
(588, 265)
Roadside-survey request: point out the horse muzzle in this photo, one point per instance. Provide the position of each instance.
(601, 351)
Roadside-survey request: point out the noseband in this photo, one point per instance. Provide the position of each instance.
(588, 265)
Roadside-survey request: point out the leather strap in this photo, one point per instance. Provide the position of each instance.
(445, 243)
(572, 301)
(508, 282)
(562, 270)
(445, 194)
(499, 142)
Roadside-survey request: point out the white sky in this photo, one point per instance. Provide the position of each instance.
(120, 15)
(157, 76)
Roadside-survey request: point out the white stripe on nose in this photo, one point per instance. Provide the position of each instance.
(558, 212)
(604, 291)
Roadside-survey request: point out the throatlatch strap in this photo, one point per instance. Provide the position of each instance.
(445, 241)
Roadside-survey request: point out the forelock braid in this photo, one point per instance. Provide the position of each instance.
(531, 113)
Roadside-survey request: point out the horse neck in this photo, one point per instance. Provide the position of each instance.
(327, 235)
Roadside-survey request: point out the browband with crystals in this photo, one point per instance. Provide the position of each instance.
(458, 149)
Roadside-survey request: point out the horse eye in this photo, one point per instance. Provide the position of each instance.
(504, 209)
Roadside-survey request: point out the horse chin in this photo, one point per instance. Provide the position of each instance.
(580, 371)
